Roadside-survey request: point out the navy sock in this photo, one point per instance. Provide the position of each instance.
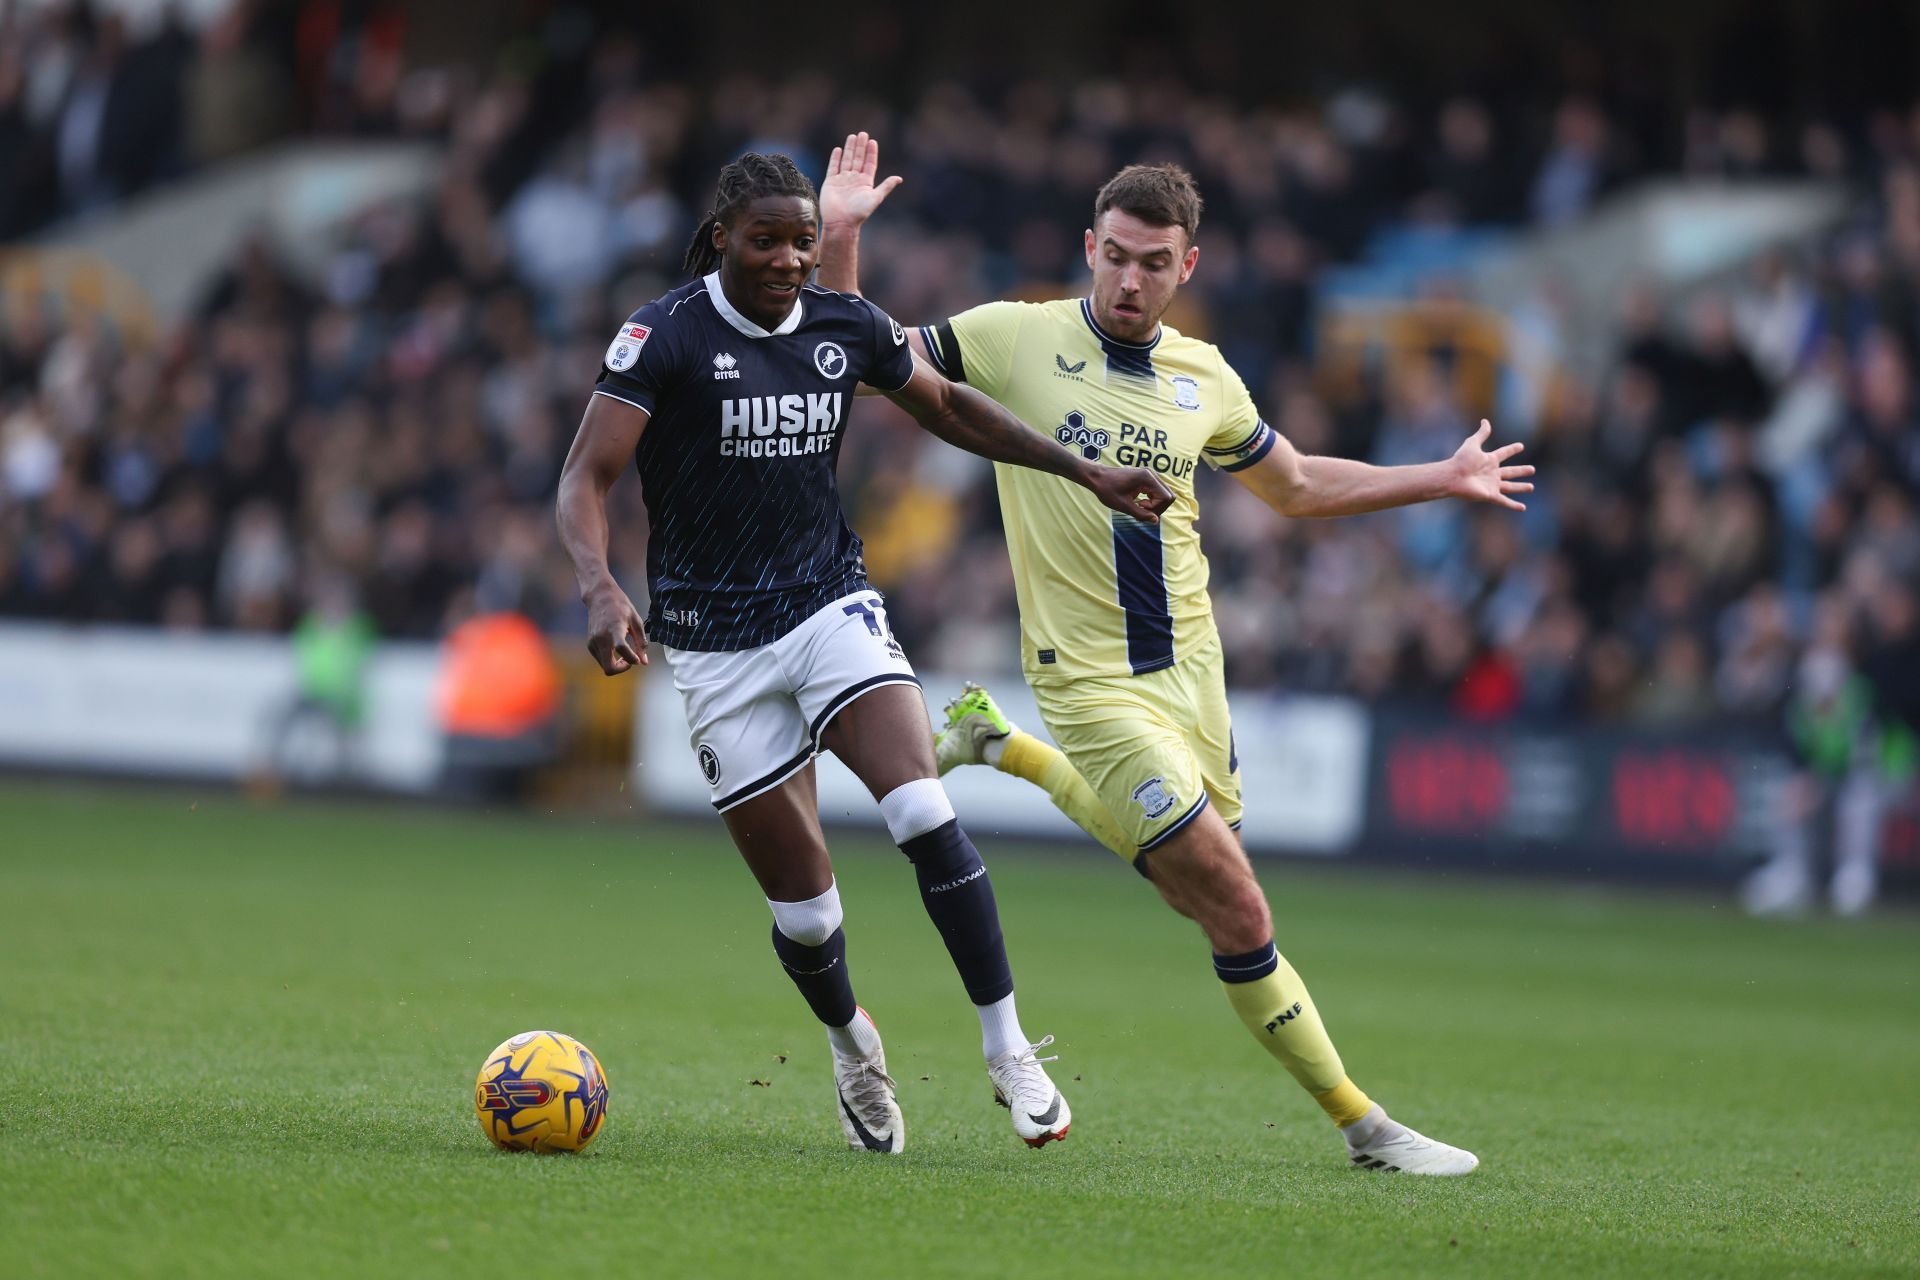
(821, 974)
(959, 900)
(1251, 967)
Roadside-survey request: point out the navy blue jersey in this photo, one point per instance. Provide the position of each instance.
(746, 537)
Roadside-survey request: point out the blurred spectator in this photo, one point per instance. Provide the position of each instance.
(498, 703)
(1471, 177)
(1576, 168)
(313, 741)
(1852, 724)
(399, 418)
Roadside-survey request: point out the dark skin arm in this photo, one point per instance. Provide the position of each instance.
(602, 450)
(969, 420)
(957, 413)
(610, 432)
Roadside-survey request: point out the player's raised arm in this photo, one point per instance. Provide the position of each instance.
(603, 447)
(969, 420)
(848, 198)
(1309, 486)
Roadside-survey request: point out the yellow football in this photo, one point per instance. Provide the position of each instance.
(541, 1091)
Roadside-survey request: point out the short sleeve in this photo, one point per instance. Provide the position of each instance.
(892, 365)
(976, 347)
(1242, 438)
(638, 364)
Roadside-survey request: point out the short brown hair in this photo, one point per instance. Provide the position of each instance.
(1162, 194)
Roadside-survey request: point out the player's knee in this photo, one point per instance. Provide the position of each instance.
(1253, 915)
(811, 922)
(915, 808)
(1237, 918)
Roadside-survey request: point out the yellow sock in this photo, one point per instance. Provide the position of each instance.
(1273, 1002)
(1025, 756)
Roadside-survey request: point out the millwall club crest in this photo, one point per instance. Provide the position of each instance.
(1186, 392)
(830, 360)
(624, 351)
(1155, 797)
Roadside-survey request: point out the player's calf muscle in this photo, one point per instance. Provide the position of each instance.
(779, 837)
(1203, 875)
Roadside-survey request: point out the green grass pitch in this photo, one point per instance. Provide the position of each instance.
(240, 1040)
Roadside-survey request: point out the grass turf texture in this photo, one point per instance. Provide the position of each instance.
(241, 1041)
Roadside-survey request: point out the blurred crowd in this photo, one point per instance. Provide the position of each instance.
(100, 103)
(1735, 492)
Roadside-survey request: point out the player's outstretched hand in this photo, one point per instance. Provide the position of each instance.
(1484, 476)
(848, 197)
(1132, 491)
(616, 637)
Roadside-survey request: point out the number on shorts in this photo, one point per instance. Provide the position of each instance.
(876, 619)
(873, 615)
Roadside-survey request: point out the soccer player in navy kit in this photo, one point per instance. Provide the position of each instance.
(731, 392)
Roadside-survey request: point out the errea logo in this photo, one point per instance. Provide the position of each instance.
(723, 367)
(1076, 434)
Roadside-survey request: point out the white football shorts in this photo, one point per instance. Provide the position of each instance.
(754, 717)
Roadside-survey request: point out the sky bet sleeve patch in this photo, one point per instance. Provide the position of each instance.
(624, 350)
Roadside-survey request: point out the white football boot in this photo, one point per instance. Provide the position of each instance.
(864, 1100)
(1021, 1085)
(1377, 1141)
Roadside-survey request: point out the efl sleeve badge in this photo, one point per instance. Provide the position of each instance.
(624, 352)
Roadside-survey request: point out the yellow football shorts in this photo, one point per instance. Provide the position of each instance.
(1157, 748)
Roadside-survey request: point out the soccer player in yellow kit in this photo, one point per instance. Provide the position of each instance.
(1116, 630)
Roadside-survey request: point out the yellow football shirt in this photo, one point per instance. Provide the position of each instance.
(1102, 594)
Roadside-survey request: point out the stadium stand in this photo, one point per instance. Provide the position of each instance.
(1742, 465)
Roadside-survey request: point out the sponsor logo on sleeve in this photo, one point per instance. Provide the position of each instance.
(624, 351)
(1253, 445)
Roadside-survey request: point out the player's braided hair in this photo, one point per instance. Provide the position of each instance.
(745, 180)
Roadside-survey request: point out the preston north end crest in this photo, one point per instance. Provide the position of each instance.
(1155, 797)
(1186, 392)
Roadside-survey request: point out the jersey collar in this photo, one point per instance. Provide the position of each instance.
(1108, 340)
(744, 325)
